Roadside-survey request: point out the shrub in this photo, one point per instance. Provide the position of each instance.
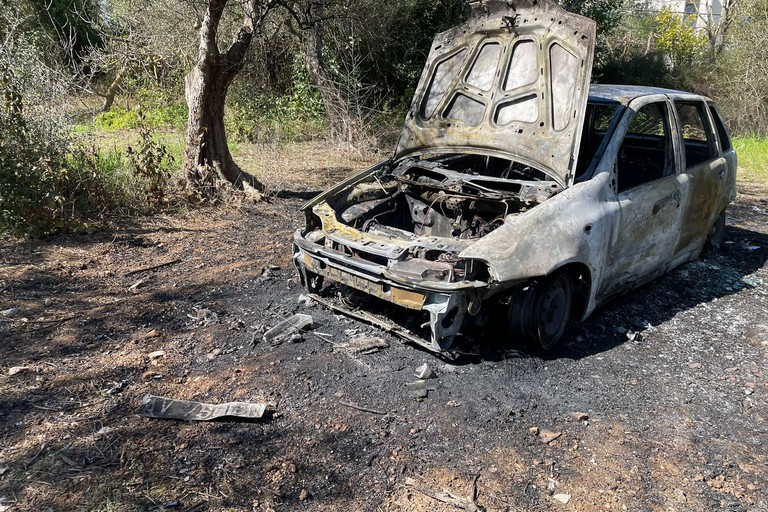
(51, 182)
(151, 163)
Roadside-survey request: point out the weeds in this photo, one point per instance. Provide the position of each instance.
(151, 162)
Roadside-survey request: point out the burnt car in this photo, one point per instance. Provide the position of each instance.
(516, 187)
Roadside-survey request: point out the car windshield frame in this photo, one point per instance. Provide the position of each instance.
(591, 168)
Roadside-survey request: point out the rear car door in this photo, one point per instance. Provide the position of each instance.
(648, 196)
(706, 170)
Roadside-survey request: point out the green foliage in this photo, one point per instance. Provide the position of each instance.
(51, 182)
(753, 158)
(296, 115)
(654, 48)
(48, 183)
(740, 76)
(676, 38)
(171, 116)
(151, 163)
(156, 108)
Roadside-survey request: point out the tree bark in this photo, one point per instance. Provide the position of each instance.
(109, 96)
(208, 162)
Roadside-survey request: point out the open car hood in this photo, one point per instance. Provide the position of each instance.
(511, 82)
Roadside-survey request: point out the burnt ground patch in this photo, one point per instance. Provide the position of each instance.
(672, 379)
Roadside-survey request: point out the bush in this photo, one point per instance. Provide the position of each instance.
(51, 182)
(297, 115)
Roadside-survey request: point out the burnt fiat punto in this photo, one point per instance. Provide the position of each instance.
(517, 187)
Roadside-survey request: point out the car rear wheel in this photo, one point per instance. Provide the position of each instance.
(552, 309)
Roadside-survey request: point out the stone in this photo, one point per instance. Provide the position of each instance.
(579, 416)
(547, 436)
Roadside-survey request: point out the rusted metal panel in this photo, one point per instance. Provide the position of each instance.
(511, 82)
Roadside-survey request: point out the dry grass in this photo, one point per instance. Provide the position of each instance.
(302, 166)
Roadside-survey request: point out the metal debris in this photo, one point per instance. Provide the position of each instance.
(424, 372)
(168, 408)
(369, 319)
(288, 327)
(363, 345)
(418, 389)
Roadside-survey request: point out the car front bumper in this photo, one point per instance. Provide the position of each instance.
(448, 304)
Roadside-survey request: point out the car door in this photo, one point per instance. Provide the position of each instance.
(705, 168)
(648, 196)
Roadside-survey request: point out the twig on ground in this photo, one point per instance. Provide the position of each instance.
(55, 321)
(153, 267)
(448, 497)
(361, 408)
(42, 449)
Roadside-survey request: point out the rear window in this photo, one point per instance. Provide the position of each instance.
(722, 133)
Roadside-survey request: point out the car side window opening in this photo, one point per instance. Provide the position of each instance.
(696, 133)
(722, 133)
(646, 151)
(597, 121)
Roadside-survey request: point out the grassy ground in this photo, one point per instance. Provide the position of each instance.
(753, 159)
(275, 164)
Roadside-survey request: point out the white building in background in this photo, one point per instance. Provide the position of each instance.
(702, 13)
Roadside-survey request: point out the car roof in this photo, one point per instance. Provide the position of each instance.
(625, 93)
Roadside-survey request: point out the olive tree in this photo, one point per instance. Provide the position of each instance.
(208, 161)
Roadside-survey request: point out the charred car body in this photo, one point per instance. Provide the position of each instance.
(516, 186)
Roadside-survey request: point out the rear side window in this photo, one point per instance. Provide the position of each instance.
(722, 133)
(696, 132)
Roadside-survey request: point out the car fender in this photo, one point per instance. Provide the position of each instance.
(574, 226)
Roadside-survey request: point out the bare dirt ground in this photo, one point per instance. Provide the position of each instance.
(671, 382)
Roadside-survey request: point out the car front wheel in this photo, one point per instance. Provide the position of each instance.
(552, 309)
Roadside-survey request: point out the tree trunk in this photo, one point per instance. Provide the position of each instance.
(336, 108)
(208, 162)
(109, 96)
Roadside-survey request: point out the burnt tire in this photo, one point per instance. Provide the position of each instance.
(553, 302)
